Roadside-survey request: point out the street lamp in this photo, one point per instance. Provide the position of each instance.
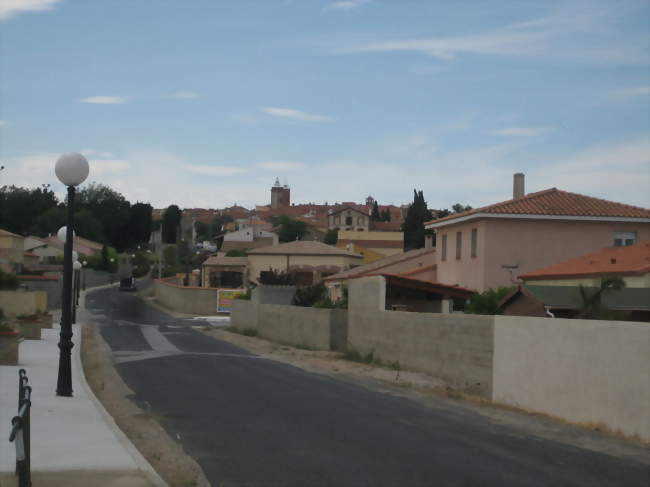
(84, 263)
(76, 266)
(72, 170)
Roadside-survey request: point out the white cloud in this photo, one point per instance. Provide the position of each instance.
(631, 92)
(11, 8)
(294, 114)
(214, 170)
(580, 32)
(346, 4)
(105, 100)
(184, 95)
(520, 131)
(280, 166)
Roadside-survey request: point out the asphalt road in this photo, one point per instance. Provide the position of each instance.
(249, 421)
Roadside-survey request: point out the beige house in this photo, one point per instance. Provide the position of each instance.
(309, 261)
(228, 272)
(372, 245)
(489, 247)
(349, 218)
(12, 250)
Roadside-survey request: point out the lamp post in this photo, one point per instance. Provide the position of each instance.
(76, 266)
(72, 170)
(83, 286)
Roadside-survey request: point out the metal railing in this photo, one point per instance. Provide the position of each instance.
(20, 431)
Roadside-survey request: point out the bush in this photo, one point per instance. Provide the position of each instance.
(310, 295)
(275, 278)
(486, 302)
(8, 282)
(246, 296)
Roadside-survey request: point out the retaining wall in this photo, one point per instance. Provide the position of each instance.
(22, 302)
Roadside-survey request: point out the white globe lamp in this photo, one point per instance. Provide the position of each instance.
(61, 234)
(72, 169)
(76, 265)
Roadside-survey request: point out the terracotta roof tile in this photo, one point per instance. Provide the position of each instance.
(630, 260)
(378, 264)
(555, 202)
(302, 247)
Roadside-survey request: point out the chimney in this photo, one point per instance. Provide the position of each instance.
(518, 185)
(428, 241)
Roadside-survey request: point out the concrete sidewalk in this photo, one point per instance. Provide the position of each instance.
(75, 441)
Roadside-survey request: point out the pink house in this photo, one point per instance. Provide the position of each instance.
(490, 246)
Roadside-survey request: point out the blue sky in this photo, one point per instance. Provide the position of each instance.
(205, 102)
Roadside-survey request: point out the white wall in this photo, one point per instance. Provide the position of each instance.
(581, 370)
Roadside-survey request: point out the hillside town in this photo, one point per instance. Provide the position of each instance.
(453, 291)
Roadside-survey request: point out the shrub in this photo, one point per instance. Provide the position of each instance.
(310, 295)
(275, 278)
(8, 282)
(486, 302)
(246, 296)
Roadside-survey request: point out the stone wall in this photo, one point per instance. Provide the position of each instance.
(454, 347)
(588, 371)
(244, 314)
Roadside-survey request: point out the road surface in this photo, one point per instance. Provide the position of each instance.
(250, 421)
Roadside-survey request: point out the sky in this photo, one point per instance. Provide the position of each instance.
(203, 103)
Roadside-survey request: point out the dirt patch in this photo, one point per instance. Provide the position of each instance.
(165, 455)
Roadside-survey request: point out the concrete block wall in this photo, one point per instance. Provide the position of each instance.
(455, 348)
(320, 329)
(590, 371)
(244, 314)
(190, 300)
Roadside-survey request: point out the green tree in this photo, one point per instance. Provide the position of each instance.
(139, 224)
(385, 215)
(289, 229)
(375, 215)
(460, 208)
(87, 226)
(592, 306)
(21, 207)
(49, 221)
(111, 209)
(171, 224)
(236, 253)
(332, 236)
(202, 231)
(413, 226)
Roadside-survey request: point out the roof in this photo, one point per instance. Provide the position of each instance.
(303, 247)
(550, 203)
(225, 261)
(5, 233)
(374, 244)
(391, 226)
(379, 264)
(397, 280)
(622, 261)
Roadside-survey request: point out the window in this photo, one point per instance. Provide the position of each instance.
(348, 220)
(623, 239)
(459, 245)
(474, 242)
(443, 257)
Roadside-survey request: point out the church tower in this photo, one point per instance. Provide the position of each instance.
(280, 195)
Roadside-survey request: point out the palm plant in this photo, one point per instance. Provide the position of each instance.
(592, 307)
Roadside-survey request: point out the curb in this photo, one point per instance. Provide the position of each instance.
(140, 461)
